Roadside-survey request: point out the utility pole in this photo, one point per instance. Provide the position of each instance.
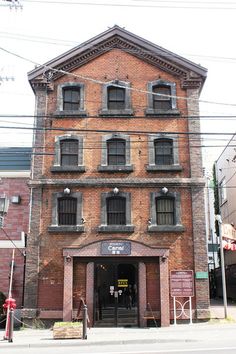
(222, 261)
(12, 4)
(6, 78)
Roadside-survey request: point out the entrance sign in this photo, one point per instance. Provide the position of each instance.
(122, 283)
(181, 283)
(123, 248)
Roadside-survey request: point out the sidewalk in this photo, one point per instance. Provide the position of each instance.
(33, 338)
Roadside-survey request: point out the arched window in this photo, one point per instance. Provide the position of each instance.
(162, 99)
(67, 211)
(115, 98)
(116, 211)
(71, 98)
(116, 152)
(69, 152)
(163, 151)
(165, 208)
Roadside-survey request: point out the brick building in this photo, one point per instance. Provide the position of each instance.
(117, 195)
(14, 193)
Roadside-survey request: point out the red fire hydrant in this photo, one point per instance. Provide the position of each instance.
(9, 306)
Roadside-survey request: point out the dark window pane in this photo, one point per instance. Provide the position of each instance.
(71, 99)
(116, 152)
(116, 210)
(116, 98)
(162, 102)
(165, 211)
(67, 210)
(163, 151)
(69, 152)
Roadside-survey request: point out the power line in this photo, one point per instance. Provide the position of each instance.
(133, 5)
(116, 85)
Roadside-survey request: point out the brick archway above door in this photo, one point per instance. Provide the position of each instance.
(138, 249)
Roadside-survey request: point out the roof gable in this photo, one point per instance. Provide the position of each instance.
(191, 74)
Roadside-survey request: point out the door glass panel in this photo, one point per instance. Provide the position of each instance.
(116, 298)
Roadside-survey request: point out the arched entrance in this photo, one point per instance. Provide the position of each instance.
(116, 293)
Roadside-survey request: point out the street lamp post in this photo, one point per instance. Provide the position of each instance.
(222, 259)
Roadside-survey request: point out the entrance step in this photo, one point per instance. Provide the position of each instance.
(126, 317)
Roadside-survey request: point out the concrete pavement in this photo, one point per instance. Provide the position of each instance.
(33, 338)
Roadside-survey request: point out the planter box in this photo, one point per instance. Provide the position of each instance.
(67, 330)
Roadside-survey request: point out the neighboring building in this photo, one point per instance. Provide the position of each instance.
(15, 196)
(120, 203)
(225, 170)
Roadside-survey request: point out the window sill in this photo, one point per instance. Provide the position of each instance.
(116, 228)
(166, 228)
(66, 228)
(160, 112)
(153, 168)
(68, 169)
(116, 168)
(116, 112)
(63, 114)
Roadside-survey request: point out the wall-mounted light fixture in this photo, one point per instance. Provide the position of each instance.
(67, 191)
(115, 190)
(68, 258)
(164, 190)
(164, 258)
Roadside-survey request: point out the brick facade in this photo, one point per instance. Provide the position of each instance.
(13, 234)
(184, 245)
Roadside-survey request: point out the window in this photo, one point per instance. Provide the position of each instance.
(161, 98)
(67, 210)
(159, 101)
(70, 99)
(163, 153)
(116, 213)
(68, 154)
(115, 153)
(66, 213)
(165, 212)
(116, 99)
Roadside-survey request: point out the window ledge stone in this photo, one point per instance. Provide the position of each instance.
(66, 228)
(65, 114)
(116, 228)
(160, 112)
(166, 228)
(153, 168)
(68, 169)
(116, 168)
(116, 112)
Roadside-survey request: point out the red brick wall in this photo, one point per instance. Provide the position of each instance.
(15, 222)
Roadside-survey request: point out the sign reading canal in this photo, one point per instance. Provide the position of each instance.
(115, 247)
(181, 283)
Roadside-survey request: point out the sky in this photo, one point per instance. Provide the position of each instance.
(201, 31)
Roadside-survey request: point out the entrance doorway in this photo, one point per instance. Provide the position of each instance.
(116, 294)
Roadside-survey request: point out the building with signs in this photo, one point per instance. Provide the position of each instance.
(117, 187)
(14, 217)
(225, 168)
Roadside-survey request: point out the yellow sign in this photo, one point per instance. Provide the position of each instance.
(122, 283)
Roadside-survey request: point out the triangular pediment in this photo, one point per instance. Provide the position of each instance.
(191, 74)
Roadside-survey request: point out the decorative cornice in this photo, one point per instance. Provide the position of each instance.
(111, 182)
(191, 75)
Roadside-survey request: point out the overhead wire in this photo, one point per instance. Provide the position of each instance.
(100, 82)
